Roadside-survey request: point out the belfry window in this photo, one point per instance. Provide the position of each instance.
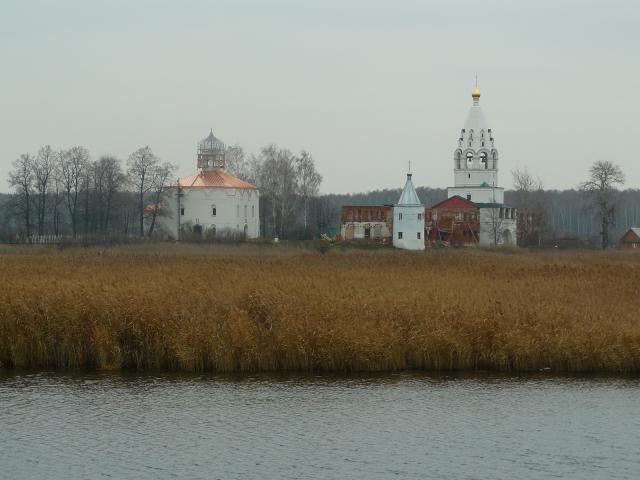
(469, 159)
(483, 160)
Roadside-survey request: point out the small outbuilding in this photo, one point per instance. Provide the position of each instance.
(408, 219)
(631, 239)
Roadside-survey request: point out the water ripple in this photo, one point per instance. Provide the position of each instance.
(376, 427)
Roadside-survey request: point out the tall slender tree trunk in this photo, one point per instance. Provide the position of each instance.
(27, 201)
(141, 207)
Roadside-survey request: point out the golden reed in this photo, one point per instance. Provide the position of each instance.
(240, 309)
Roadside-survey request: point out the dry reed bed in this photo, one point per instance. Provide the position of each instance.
(239, 309)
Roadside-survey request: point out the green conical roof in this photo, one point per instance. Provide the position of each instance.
(409, 195)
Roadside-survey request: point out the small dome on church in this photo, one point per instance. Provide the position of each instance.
(211, 142)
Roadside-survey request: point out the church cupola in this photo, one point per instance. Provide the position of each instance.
(475, 94)
(211, 153)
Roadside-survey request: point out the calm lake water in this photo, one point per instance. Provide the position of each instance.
(414, 426)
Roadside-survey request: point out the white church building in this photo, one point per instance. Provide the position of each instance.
(475, 166)
(212, 202)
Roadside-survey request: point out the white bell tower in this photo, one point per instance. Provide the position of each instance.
(475, 161)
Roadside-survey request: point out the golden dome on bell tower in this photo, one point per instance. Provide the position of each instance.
(475, 93)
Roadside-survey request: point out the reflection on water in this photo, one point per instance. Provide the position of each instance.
(392, 426)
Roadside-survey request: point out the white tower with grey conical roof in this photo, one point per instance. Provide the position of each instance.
(408, 219)
(475, 160)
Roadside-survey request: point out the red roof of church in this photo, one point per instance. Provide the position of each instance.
(455, 202)
(212, 179)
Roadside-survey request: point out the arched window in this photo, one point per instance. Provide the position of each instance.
(469, 159)
(214, 211)
(245, 211)
(237, 210)
(483, 159)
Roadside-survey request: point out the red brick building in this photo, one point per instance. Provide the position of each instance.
(453, 222)
(631, 239)
(367, 222)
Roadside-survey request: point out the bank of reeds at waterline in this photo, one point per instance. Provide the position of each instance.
(246, 309)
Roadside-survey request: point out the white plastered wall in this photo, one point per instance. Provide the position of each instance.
(409, 220)
(235, 208)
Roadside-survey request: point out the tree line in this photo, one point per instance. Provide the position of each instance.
(66, 193)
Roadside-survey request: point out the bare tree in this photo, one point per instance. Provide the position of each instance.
(108, 179)
(604, 176)
(43, 169)
(57, 195)
(237, 163)
(161, 175)
(275, 176)
(308, 180)
(72, 166)
(22, 179)
(494, 219)
(531, 210)
(142, 165)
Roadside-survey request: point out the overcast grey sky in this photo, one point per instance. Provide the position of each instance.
(365, 86)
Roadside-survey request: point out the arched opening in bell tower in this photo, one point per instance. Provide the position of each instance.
(483, 160)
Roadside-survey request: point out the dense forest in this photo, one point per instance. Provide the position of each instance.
(66, 194)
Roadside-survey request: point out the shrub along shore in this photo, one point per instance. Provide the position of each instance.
(248, 308)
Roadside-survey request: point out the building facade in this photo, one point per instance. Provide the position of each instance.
(211, 202)
(475, 173)
(631, 239)
(408, 219)
(453, 222)
(367, 222)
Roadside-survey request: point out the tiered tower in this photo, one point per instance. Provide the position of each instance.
(475, 160)
(211, 154)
